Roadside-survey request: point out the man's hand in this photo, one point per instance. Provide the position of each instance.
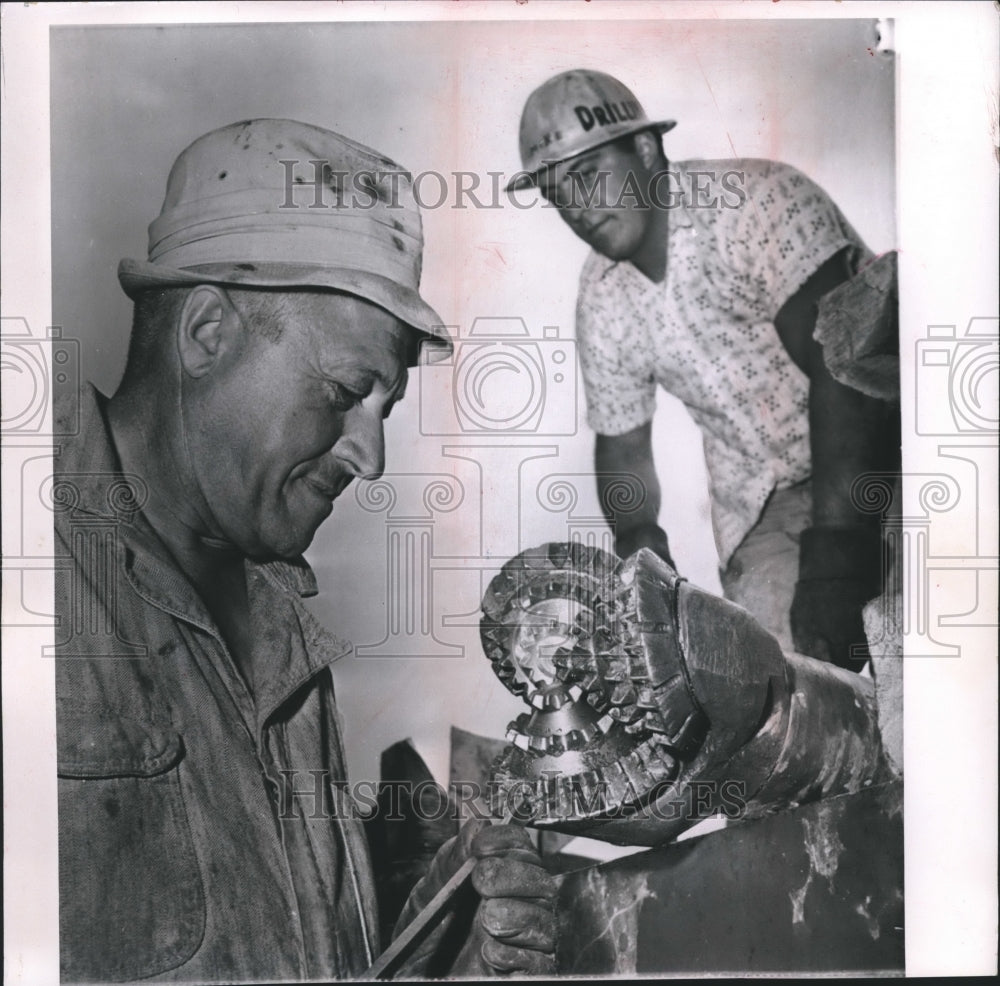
(647, 536)
(513, 927)
(827, 622)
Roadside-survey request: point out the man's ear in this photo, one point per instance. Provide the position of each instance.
(207, 328)
(647, 146)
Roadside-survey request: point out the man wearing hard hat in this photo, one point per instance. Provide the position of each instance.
(207, 831)
(704, 278)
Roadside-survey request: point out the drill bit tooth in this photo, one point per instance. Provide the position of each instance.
(557, 554)
(617, 670)
(492, 605)
(638, 671)
(669, 765)
(504, 667)
(586, 795)
(638, 776)
(605, 723)
(660, 763)
(536, 558)
(654, 723)
(516, 687)
(557, 804)
(498, 656)
(574, 592)
(517, 801)
(562, 660)
(615, 782)
(585, 558)
(554, 700)
(506, 678)
(625, 714)
(580, 664)
(505, 585)
(552, 588)
(623, 693)
(646, 698)
(565, 797)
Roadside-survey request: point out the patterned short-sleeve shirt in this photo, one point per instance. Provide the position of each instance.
(744, 235)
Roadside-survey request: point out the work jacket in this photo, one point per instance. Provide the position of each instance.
(205, 833)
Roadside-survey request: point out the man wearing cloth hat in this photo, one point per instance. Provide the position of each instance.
(206, 828)
(704, 278)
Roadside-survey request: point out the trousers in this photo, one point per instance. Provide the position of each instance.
(762, 572)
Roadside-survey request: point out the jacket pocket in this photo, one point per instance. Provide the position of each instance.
(131, 902)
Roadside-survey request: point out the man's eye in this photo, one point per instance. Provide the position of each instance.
(341, 397)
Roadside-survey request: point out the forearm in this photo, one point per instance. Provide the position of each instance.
(629, 490)
(850, 434)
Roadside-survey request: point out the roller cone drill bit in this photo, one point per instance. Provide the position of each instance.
(654, 703)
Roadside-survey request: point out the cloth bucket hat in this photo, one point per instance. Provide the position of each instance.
(274, 203)
(574, 112)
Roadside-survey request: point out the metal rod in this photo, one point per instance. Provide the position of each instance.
(416, 927)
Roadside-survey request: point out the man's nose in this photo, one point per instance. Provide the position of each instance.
(362, 445)
(576, 214)
(580, 220)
